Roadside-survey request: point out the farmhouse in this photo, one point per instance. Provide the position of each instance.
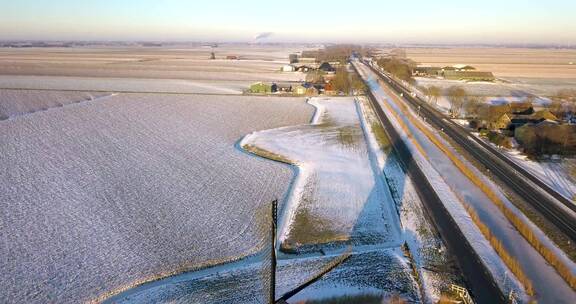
(305, 89)
(501, 123)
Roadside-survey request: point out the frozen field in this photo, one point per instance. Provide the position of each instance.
(504, 62)
(21, 102)
(350, 190)
(129, 85)
(559, 175)
(104, 194)
(257, 63)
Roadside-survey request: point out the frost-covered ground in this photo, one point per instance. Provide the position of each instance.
(99, 196)
(348, 194)
(453, 187)
(558, 174)
(21, 102)
(379, 273)
(338, 196)
(121, 84)
(189, 68)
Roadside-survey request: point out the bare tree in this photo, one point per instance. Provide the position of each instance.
(564, 103)
(472, 105)
(456, 96)
(434, 93)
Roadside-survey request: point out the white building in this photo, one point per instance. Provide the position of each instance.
(288, 68)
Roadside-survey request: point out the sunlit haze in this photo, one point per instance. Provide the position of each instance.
(444, 21)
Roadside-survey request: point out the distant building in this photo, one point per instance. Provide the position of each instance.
(468, 75)
(535, 118)
(309, 60)
(329, 89)
(426, 71)
(261, 88)
(463, 67)
(326, 67)
(284, 87)
(288, 68)
(293, 58)
(299, 90)
(305, 90)
(304, 68)
(501, 123)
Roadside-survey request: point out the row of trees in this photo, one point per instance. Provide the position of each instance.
(345, 82)
(340, 53)
(398, 66)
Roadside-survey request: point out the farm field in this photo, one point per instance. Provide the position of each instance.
(519, 72)
(187, 68)
(365, 216)
(550, 64)
(115, 191)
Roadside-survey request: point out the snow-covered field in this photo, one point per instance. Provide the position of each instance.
(122, 84)
(349, 195)
(558, 174)
(454, 188)
(101, 195)
(258, 63)
(20, 102)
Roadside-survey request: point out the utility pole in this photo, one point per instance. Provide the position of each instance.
(273, 252)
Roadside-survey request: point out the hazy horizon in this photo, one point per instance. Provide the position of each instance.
(426, 22)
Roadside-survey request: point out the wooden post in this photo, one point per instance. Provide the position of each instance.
(273, 252)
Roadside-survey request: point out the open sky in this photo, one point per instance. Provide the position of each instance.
(426, 21)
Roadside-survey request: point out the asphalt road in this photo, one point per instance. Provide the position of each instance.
(552, 205)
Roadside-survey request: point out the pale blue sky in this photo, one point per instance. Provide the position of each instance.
(432, 21)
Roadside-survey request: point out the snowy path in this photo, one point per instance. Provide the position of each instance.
(550, 287)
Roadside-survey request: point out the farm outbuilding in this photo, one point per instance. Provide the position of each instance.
(468, 75)
(326, 67)
(501, 123)
(305, 89)
(288, 68)
(261, 88)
